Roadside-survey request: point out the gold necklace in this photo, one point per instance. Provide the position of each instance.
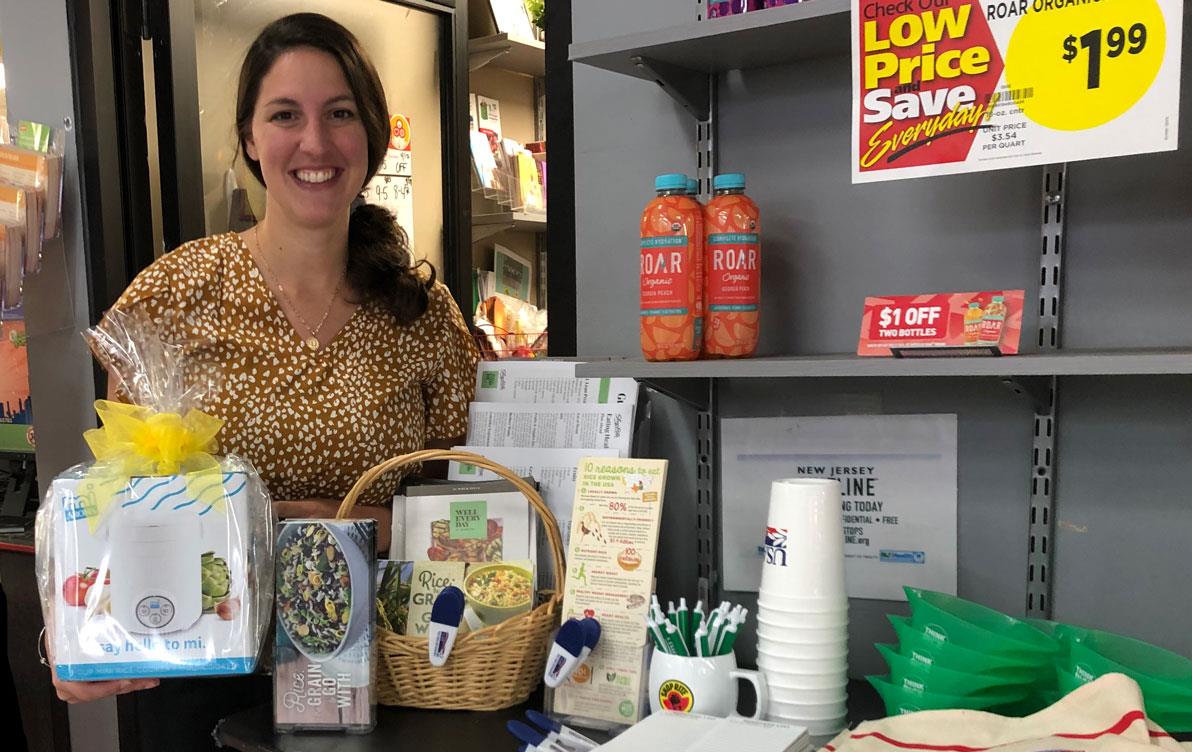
(311, 341)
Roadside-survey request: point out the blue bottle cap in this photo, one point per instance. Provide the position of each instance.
(729, 180)
(672, 181)
(692, 187)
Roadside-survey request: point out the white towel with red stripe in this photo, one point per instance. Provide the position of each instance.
(1105, 715)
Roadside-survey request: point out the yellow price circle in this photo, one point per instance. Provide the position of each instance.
(1064, 56)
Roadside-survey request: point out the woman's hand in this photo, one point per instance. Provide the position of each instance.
(88, 691)
(326, 509)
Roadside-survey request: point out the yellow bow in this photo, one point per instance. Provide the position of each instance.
(137, 441)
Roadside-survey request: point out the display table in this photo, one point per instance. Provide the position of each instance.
(397, 728)
(410, 728)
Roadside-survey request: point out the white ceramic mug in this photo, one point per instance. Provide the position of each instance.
(707, 686)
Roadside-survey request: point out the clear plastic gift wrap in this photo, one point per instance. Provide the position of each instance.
(155, 559)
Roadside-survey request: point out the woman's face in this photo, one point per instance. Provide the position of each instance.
(309, 139)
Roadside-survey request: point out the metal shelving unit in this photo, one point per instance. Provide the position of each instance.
(1060, 363)
(682, 58)
(687, 61)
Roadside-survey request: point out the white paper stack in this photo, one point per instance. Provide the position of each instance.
(701, 733)
(538, 419)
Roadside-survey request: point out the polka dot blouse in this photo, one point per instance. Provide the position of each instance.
(311, 422)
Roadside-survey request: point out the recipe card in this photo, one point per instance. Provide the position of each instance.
(428, 580)
(473, 522)
(610, 574)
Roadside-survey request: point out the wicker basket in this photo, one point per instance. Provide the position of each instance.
(489, 669)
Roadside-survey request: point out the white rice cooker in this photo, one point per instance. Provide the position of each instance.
(156, 566)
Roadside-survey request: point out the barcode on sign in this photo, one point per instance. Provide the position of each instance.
(1006, 97)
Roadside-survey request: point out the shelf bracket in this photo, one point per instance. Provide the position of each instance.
(706, 155)
(1041, 531)
(707, 510)
(692, 392)
(1037, 389)
(481, 232)
(477, 60)
(687, 87)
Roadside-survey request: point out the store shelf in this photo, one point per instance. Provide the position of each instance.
(487, 225)
(751, 40)
(1069, 363)
(527, 57)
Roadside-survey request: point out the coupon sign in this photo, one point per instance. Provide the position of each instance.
(951, 86)
(990, 320)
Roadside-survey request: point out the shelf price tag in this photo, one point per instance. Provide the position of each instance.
(990, 320)
(951, 86)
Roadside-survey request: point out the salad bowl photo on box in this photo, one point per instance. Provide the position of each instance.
(322, 573)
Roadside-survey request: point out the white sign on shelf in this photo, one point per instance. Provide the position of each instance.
(899, 488)
(393, 185)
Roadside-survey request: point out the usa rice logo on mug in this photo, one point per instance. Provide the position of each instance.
(776, 538)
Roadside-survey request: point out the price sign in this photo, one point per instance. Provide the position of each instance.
(1089, 64)
(393, 185)
(1117, 45)
(947, 86)
(397, 163)
(989, 319)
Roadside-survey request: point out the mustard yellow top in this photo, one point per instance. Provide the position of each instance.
(311, 422)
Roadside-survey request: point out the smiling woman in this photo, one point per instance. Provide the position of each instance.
(335, 350)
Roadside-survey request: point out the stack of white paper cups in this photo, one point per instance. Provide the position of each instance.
(802, 612)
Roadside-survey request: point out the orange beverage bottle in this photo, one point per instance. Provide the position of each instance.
(732, 260)
(972, 323)
(671, 273)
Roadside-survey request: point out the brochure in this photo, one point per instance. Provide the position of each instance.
(610, 575)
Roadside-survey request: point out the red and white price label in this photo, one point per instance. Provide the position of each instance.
(961, 319)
